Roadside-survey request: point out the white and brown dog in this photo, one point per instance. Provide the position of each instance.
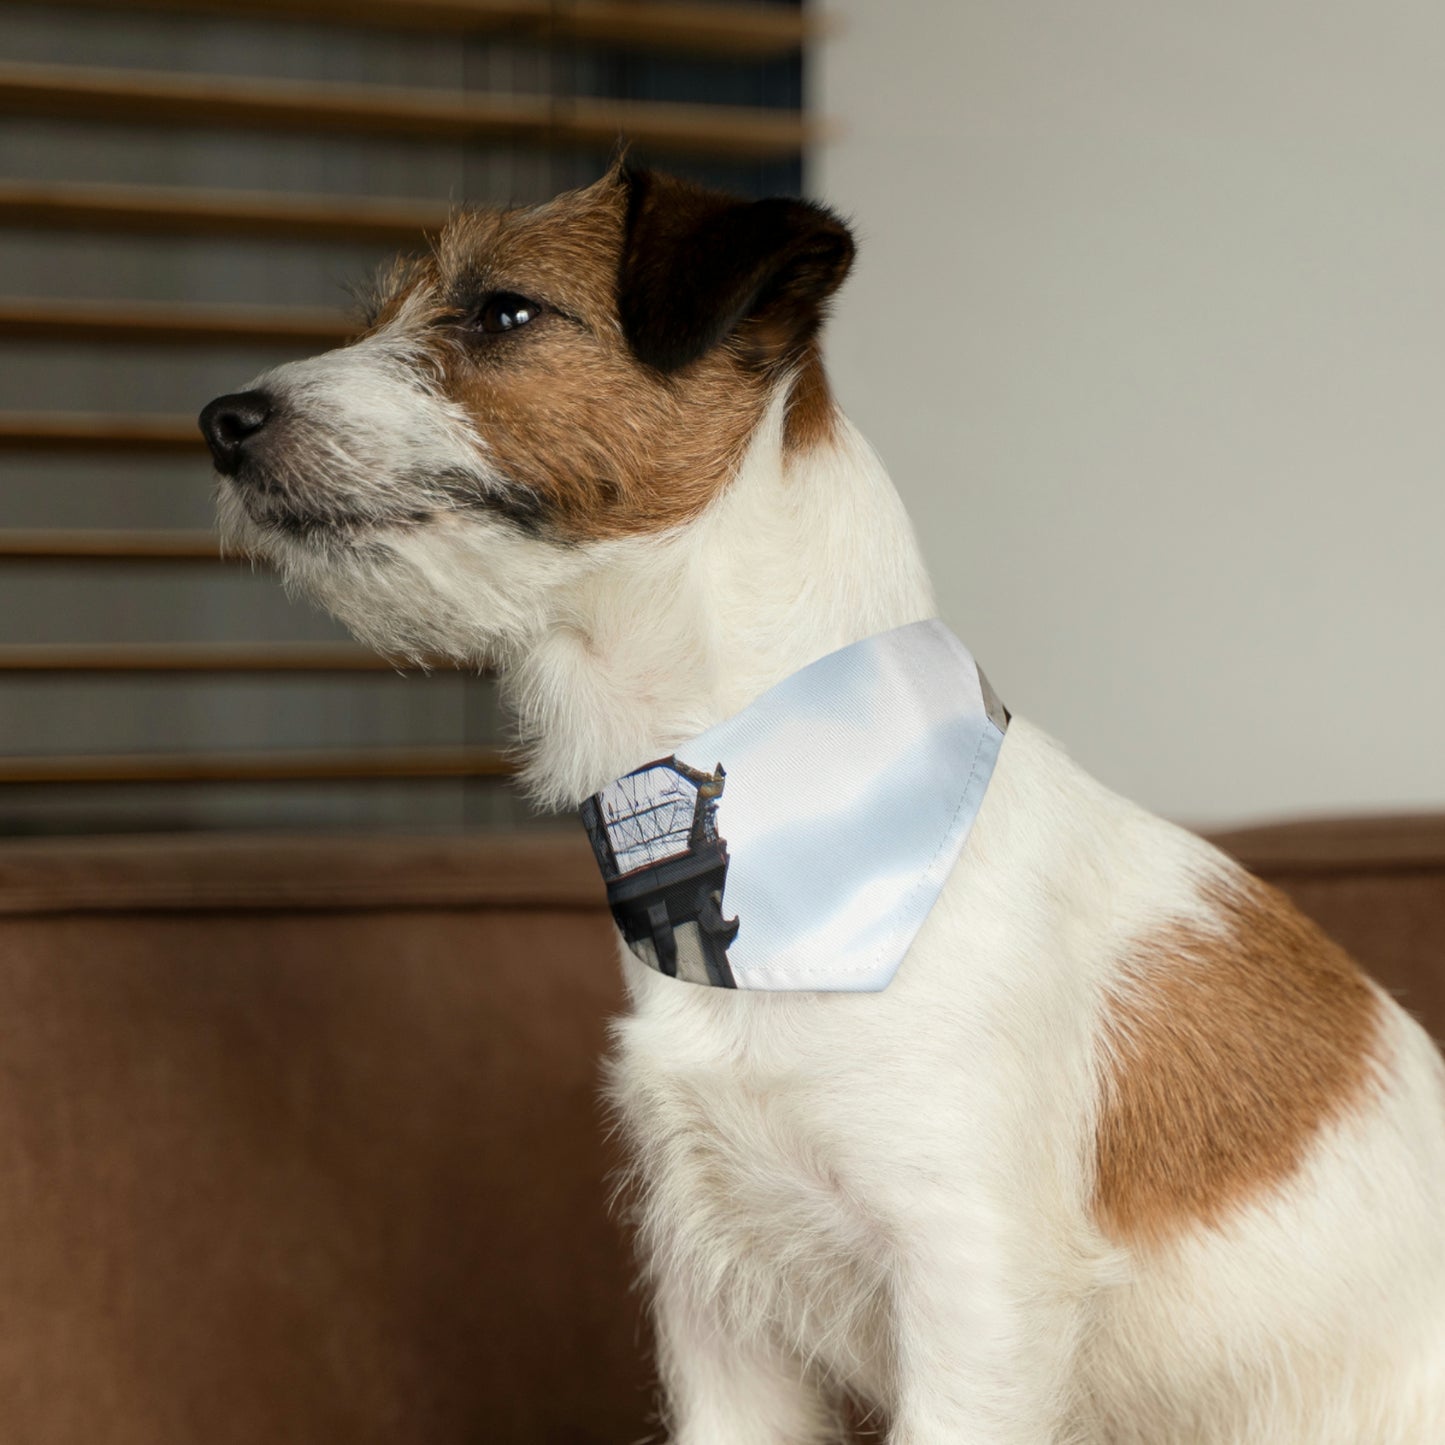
(1127, 1152)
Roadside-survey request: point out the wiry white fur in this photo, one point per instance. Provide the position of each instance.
(888, 1194)
(370, 445)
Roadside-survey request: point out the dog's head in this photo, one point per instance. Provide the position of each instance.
(546, 383)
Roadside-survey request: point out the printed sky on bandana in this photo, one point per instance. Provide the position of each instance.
(851, 787)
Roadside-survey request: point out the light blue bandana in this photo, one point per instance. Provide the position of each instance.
(801, 843)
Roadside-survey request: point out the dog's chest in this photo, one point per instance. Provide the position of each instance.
(749, 1189)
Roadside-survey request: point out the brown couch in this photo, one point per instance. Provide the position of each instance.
(299, 1141)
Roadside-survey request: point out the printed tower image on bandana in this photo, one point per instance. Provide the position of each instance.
(654, 835)
(851, 789)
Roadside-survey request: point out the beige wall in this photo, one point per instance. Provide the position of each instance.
(1149, 324)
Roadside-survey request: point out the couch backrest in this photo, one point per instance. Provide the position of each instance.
(300, 1142)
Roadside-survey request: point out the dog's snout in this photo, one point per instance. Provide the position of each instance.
(229, 422)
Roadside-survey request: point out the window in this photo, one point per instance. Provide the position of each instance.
(188, 192)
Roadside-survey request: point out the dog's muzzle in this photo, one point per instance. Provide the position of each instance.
(231, 424)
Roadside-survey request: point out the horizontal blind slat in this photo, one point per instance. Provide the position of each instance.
(721, 29)
(312, 107)
(98, 431)
(196, 212)
(183, 657)
(110, 546)
(171, 323)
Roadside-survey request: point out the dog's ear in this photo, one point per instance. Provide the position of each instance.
(699, 266)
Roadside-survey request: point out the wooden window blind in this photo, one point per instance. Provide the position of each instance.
(187, 190)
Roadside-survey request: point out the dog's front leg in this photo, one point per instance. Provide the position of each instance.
(985, 1353)
(723, 1388)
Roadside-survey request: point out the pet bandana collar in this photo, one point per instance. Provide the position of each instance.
(801, 843)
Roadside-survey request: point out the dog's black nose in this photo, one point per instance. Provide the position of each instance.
(229, 422)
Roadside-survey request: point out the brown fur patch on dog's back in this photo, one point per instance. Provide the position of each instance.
(1228, 1050)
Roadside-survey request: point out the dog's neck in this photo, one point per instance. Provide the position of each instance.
(804, 553)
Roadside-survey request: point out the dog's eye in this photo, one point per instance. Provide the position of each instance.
(505, 311)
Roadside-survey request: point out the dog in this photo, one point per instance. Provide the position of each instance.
(1127, 1153)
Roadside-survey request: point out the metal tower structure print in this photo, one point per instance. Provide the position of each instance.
(654, 833)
